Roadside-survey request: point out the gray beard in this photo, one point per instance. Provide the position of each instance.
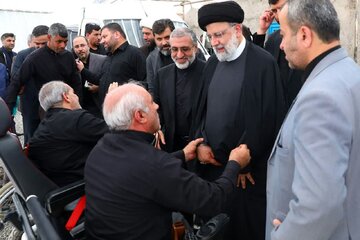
(165, 52)
(185, 65)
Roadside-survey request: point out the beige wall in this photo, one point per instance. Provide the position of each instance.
(348, 11)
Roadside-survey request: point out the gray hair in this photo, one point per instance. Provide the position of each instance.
(50, 94)
(58, 29)
(319, 15)
(119, 116)
(184, 32)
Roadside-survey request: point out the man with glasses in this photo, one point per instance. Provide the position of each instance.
(175, 87)
(161, 56)
(241, 102)
(291, 78)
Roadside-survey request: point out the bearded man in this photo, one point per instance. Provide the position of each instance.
(174, 88)
(241, 102)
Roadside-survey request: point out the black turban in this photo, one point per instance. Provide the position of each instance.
(228, 11)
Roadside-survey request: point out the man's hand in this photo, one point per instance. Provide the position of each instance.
(79, 65)
(242, 179)
(113, 86)
(190, 149)
(265, 21)
(206, 155)
(241, 155)
(93, 88)
(159, 139)
(276, 223)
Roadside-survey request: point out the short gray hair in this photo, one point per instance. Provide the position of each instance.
(319, 15)
(51, 94)
(58, 29)
(184, 32)
(119, 116)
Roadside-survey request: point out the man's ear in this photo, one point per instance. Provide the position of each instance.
(306, 36)
(66, 98)
(117, 34)
(139, 116)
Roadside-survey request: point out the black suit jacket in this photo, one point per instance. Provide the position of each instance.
(165, 92)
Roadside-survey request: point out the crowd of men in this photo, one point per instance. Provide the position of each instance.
(266, 130)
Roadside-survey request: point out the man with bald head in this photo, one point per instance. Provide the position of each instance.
(132, 187)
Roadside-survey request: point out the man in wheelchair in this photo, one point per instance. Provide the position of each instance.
(66, 135)
(132, 188)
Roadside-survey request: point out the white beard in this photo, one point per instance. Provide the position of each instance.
(230, 49)
(186, 64)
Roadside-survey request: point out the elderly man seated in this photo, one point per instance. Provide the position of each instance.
(140, 185)
(65, 136)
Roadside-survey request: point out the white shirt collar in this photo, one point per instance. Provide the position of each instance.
(238, 51)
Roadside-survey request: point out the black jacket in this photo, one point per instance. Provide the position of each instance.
(62, 142)
(164, 95)
(132, 188)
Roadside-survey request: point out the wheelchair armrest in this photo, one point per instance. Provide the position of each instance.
(56, 200)
(44, 227)
(78, 232)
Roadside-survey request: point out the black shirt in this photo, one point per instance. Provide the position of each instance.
(42, 66)
(130, 194)
(62, 142)
(126, 62)
(183, 101)
(100, 50)
(310, 67)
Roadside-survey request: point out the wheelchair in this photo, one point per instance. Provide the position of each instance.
(39, 208)
(39, 204)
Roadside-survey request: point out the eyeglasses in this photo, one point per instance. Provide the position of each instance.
(182, 49)
(218, 35)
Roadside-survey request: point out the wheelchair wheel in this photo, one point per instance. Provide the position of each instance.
(8, 231)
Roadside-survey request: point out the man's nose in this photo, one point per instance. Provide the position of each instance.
(164, 42)
(214, 41)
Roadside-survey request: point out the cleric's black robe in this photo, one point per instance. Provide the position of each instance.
(260, 110)
(292, 79)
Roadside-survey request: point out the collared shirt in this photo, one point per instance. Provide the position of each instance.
(238, 51)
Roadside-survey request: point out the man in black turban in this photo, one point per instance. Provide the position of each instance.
(241, 101)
